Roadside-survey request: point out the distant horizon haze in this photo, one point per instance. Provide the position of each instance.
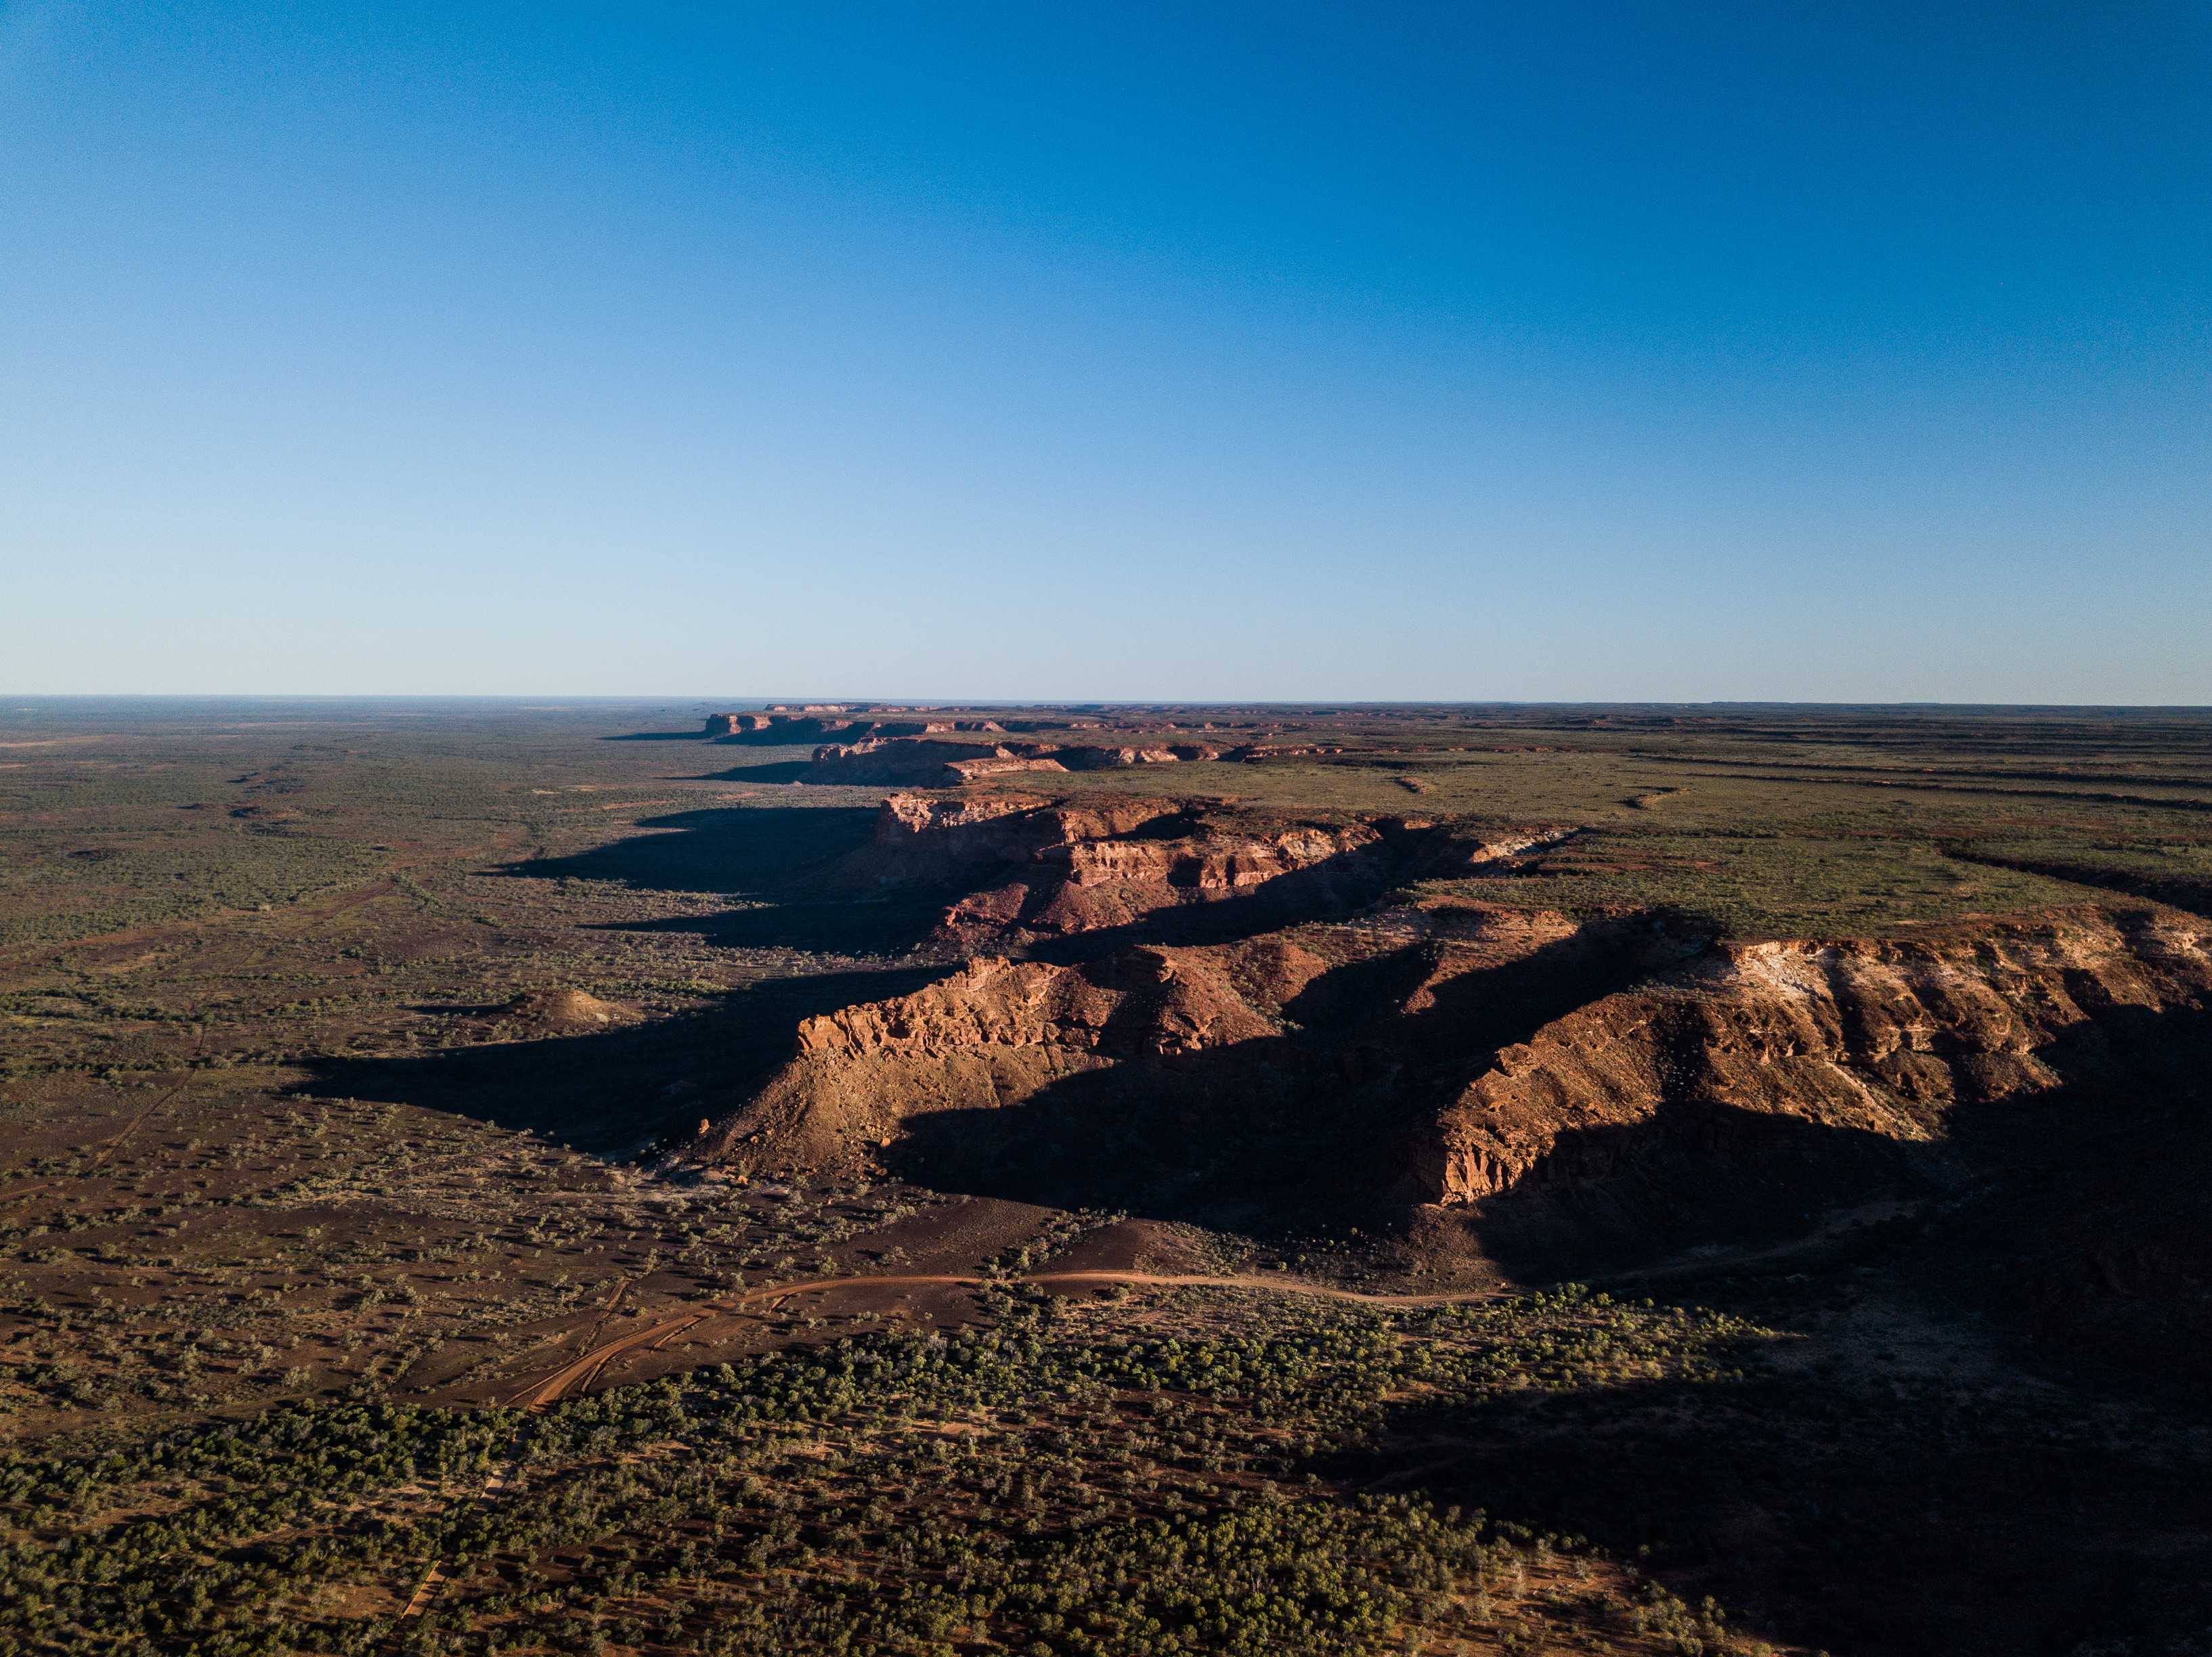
(18, 703)
(1605, 354)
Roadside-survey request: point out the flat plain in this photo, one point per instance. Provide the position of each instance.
(488, 1178)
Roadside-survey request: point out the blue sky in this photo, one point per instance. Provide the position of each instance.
(1854, 352)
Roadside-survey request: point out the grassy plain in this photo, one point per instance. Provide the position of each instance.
(313, 1188)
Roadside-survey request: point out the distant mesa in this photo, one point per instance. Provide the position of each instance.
(908, 760)
(854, 746)
(811, 724)
(1037, 868)
(1029, 868)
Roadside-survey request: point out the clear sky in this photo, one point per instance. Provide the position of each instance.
(1065, 351)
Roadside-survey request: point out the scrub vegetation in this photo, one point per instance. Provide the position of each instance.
(1021, 1482)
(358, 1296)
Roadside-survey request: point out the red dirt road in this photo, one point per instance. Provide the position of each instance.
(578, 1374)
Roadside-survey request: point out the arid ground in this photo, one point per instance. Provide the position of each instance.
(622, 1178)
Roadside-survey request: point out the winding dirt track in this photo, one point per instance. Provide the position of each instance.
(574, 1376)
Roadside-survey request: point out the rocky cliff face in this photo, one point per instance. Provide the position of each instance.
(923, 840)
(1277, 1054)
(1762, 1075)
(1089, 884)
(1564, 1097)
(1880, 1037)
(1053, 869)
(993, 1036)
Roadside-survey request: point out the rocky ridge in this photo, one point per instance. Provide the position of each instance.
(1761, 1074)
(1043, 868)
(884, 758)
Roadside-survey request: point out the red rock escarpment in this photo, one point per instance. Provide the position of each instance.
(1088, 884)
(1190, 1042)
(928, 839)
(996, 1034)
(1101, 861)
(1880, 1038)
(1720, 1099)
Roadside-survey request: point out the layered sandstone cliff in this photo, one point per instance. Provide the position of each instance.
(1475, 1063)
(1180, 1054)
(1045, 868)
(1878, 1037)
(996, 1034)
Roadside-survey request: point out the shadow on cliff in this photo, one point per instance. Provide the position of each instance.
(1268, 1136)
(1265, 1134)
(1865, 1502)
(1470, 1015)
(613, 1092)
(1876, 1505)
(1281, 1130)
(1694, 1173)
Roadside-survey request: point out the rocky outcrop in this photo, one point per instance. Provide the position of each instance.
(929, 839)
(1884, 1036)
(1053, 868)
(1274, 874)
(1086, 884)
(562, 1009)
(993, 1036)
